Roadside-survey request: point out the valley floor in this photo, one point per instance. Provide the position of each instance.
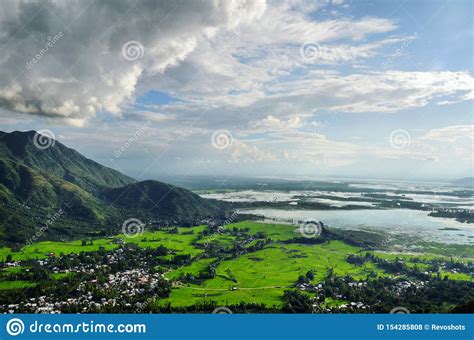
(247, 266)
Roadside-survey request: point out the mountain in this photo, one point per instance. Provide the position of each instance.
(57, 193)
(59, 161)
(160, 199)
(464, 182)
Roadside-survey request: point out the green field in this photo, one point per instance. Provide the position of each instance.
(16, 284)
(276, 232)
(178, 242)
(262, 276)
(259, 276)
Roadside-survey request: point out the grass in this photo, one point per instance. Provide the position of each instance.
(408, 256)
(458, 250)
(423, 266)
(14, 270)
(178, 242)
(258, 277)
(331, 302)
(225, 241)
(42, 249)
(5, 285)
(60, 276)
(276, 232)
(193, 269)
(262, 276)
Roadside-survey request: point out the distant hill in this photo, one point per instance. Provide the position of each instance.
(163, 200)
(59, 161)
(465, 182)
(85, 197)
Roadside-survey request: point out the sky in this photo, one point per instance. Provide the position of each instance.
(293, 89)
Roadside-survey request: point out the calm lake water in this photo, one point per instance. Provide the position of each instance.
(393, 221)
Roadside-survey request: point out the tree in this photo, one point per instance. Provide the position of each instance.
(301, 279)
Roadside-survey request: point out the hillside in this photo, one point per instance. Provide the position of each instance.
(162, 200)
(59, 161)
(85, 197)
(464, 182)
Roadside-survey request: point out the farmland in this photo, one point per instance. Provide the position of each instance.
(247, 262)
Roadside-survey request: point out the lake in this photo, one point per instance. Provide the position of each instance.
(393, 221)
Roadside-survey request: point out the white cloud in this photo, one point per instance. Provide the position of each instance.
(244, 152)
(271, 123)
(85, 72)
(450, 133)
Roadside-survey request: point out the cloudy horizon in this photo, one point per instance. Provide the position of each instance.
(246, 88)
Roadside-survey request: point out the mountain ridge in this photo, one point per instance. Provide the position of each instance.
(60, 161)
(36, 183)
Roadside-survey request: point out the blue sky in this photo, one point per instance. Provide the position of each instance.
(370, 89)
